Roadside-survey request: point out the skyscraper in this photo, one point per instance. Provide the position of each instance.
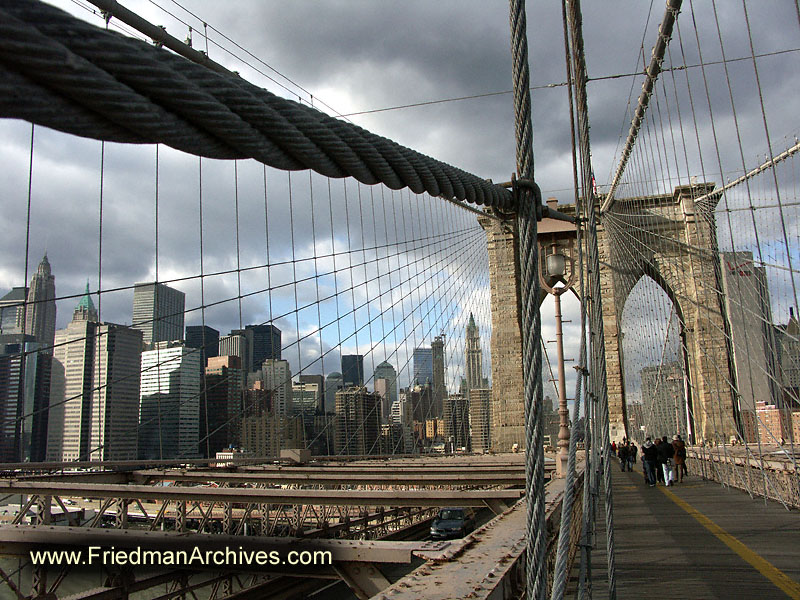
(266, 344)
(115, 398)
(752, 335)
(386, 372)
(474, 356)
(40, 316)
(24, 397)
(221, 415)
(439, 382)
(158, 312)
(480, 419)
(423, 366)
(319, 382)
(352, 370)
(238, 343)
(277, 377)
(204, 337)
(663, 397)
(358, 422)
(456, 421)
(12, 311)
(333, 383)
(169, 418)
(71, 385)
(94, 389)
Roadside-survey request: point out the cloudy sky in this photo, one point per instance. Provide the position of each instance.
(361, 59)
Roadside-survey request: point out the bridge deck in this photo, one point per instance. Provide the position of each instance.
(665, 546)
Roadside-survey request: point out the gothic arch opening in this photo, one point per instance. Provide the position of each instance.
(656, 384)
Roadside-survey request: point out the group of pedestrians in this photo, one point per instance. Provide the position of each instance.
(626, 452)
(664, 461)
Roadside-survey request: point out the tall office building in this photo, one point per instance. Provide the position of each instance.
(388, 389)
(305, 399)
(12, 311)
(238, 343)
(439, 374)
(266, 344)
(221, 414)
(169, 425)
(24, 398)
(94, 389)
(421, 399)
(663, 399)
(788, 345)
(358, 423)
(480, 419)
(158, 312)
(456, 422)
(401, 414)
(40, 316)
(319, 382)
(277, 377)
(474, 357)
(752, 335)
(205, 338)
(423, 366)
(333, 383)
(115, 398)
(352, 370)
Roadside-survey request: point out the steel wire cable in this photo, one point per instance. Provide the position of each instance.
(139, 93)
(599, 370)
(536, 575)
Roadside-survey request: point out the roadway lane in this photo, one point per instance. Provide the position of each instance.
(698, 540)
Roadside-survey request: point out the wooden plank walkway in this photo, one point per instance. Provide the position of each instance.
(699, 540)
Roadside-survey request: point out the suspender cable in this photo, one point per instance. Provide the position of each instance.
(653, 70)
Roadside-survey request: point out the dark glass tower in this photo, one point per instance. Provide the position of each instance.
(266, 344)
(352, 370)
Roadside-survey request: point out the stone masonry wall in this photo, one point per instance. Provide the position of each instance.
(507, 419)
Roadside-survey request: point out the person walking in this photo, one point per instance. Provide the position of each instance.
(666, 455)
(680, 457)
(622, 454)
(650, 461)
(632, 451)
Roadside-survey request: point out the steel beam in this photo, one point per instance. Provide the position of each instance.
(385, 478)
(393, 498)
(365, 580)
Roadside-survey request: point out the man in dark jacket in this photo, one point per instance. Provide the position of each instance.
(650, 461)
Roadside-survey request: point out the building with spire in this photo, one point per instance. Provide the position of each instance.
(94, 389)
(40, 312)
(474, 356)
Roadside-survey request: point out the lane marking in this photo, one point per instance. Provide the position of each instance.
(763, 566)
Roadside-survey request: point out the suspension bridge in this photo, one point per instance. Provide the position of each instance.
(388, 380)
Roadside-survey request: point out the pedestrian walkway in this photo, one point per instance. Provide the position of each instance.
(697, 540)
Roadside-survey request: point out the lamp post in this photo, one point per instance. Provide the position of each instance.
(556, 251)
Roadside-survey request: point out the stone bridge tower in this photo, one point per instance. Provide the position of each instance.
(674, 244)
(672, 239)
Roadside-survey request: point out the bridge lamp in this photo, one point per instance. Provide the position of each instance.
(557, 265)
